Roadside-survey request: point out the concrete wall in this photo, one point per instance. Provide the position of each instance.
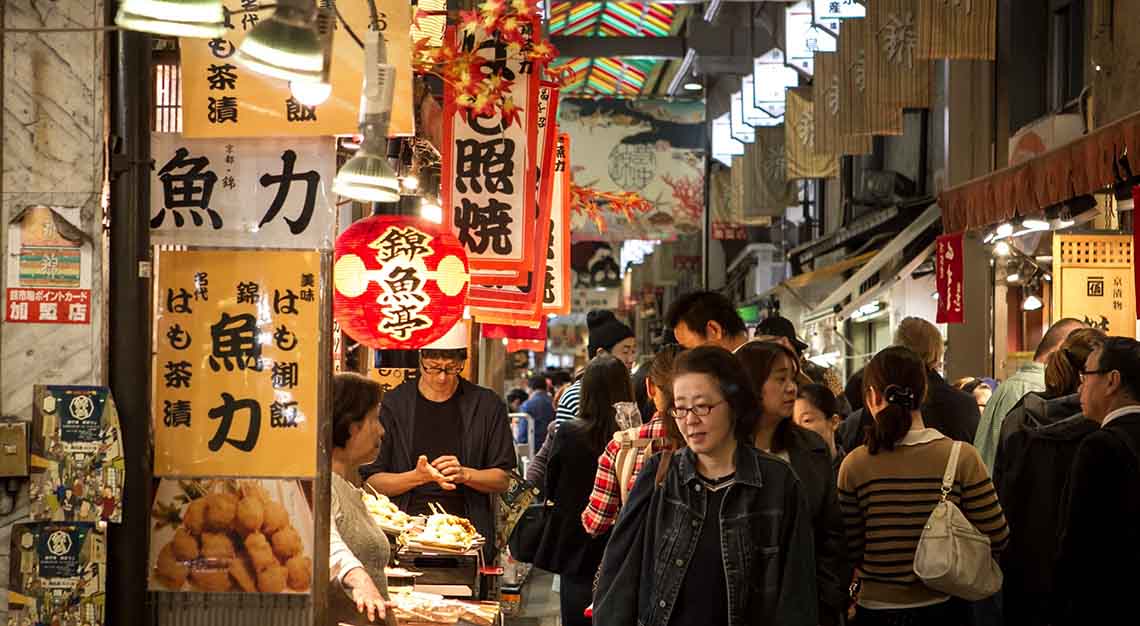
(1116, 49)
(52, 153)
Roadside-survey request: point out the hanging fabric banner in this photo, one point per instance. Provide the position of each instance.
(958, 29)
(855, 118)
(524, 302)
(948, 279)
(803, 160)
(826, 100)
(766, 191)
(897, 78)
(222, 98)
(726, 220)
(556, 294)
(488, 172)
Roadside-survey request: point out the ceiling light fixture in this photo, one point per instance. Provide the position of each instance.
(1005, 230)
(202, 19)
(287, 45)
(367, 176)
(1002, 248)
(693, 86)
(1012, 278)
(1032, 303)
(1035, 225)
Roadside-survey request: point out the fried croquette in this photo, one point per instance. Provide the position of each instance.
(300, 569)
(217, 546)
(276, 517)
(272, 579)
(286, 543)
(184, 545)
(171, 572)
(221, 508)
(260, 553)
(211, 579)
(243, 575)
(195, 518)
(250, 514)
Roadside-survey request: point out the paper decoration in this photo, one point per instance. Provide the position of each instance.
(958, 29)
(803, 159)
(826, 100)
(400, 282)
(237, 363)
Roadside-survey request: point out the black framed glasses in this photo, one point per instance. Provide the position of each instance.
(699, 410)
(452, 370)
(1086, 373)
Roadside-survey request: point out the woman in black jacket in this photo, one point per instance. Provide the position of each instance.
(773, 369)
(716, 532)
(566, 549)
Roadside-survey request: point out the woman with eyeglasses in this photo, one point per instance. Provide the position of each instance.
(716, 532)
(889, 486)
(774, 370)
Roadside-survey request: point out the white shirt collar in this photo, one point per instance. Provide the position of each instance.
(1122, 411)
(920, 436)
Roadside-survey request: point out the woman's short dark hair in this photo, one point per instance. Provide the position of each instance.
(759, 359)
(821, 398)
(605, 381)
(731, 378)
(899, 376)
(354, 397)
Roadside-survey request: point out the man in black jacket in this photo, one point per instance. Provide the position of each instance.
(1100, 540)
(952, 412)
(447, 441)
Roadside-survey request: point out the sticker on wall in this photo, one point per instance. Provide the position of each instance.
(49, 267)
(57, 574)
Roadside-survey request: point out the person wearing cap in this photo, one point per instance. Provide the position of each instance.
(448, 440)
(706, 317)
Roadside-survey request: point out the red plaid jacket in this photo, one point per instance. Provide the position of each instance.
(605, 501)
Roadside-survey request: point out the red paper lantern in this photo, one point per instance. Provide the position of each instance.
(400, 282)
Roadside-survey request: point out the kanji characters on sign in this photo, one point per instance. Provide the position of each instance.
(48, 306)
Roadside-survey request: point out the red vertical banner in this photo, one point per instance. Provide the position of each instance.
(489, 171)
(556, 296)
(949, 275)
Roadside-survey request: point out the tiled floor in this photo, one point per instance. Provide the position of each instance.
(540, 602)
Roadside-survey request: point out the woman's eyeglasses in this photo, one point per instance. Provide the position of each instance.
(700, 410)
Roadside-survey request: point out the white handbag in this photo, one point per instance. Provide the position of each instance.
(952, 556)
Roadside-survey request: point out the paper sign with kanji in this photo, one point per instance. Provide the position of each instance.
(242, 192)
(223, 98)
(949, 275)
(237, 364)
(49, 267)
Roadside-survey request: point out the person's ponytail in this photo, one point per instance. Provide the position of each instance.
(899, 377)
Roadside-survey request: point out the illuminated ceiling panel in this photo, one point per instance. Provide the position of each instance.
(611, 76)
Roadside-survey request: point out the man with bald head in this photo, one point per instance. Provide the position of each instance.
(1030, 377)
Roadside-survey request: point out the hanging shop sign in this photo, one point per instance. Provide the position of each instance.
(803, 159)
(556, 283)
(77, 467)
(242, 193)
(400, 282)
(804, 36)
(958, 29)
(949, 275)
(649, 151)
(764, 190)
(827, 114)
(838, 9)
(237, 362)
(489, 168)
(524, 302)
(724, 145)
(57, 574)
(48, 267)
(726, 223)
(897, 77)
(229, 535)
(754, 115)
(741, 130)
(857, 116)
(1094, 277)
(585, 300)
(222, 98)
(770, 77)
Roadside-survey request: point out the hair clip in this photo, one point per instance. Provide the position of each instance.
(899, 395)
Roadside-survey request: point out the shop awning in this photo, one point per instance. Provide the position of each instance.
(889, 252)
(873, 294)
(1080, 167)
(802, 280)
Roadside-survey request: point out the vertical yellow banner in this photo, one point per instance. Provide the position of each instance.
(237, 365)
(222, 98)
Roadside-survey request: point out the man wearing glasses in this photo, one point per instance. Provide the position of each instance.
(1100, 538)
(447, 441)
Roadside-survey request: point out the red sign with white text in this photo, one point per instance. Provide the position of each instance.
(48, 306)
(949, 275)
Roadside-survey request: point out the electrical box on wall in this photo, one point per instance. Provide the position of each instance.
(13, 447)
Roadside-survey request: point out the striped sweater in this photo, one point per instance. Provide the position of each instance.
(886, 499)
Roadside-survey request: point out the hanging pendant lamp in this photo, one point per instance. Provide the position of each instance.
(287, 45)
(204, 19)
(367, 176)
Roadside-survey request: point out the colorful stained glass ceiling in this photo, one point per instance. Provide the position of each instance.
(609, 76)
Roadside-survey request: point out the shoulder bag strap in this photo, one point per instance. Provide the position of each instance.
(951, 470)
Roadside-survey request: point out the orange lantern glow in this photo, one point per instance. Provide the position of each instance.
(401, 282)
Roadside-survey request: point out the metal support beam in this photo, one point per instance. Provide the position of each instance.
(643, 47)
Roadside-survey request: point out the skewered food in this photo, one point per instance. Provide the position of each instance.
(385, 513)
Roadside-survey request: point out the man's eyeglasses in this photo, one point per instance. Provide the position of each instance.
(1086, 373)
(700, 410)
(451, 370)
